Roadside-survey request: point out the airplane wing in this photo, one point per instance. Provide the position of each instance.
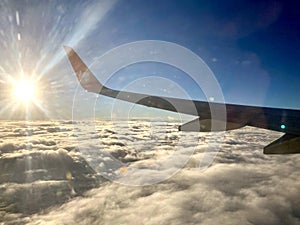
(237, 116)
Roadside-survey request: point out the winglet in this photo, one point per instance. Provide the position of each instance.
(85, 77)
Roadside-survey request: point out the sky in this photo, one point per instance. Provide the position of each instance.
(251, 47)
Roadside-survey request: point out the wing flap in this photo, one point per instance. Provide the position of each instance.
(287, 144)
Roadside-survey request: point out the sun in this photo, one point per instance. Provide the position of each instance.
(25, 98)
(24, 91)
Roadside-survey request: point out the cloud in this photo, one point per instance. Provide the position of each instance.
(188, 198)
(36, 172)
(7, 147)
(242, 186)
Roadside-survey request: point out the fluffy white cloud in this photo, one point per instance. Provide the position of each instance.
(242, 186)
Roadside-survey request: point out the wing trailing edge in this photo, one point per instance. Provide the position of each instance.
(205, 125)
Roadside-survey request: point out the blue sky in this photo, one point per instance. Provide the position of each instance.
(251, 46)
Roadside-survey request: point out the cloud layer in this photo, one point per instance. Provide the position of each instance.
(242, 186)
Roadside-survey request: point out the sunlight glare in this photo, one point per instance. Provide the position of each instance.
(24, 91)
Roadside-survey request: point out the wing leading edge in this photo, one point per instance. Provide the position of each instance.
(237, 116)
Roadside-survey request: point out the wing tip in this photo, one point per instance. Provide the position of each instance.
(85, 77)
(68, 49)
